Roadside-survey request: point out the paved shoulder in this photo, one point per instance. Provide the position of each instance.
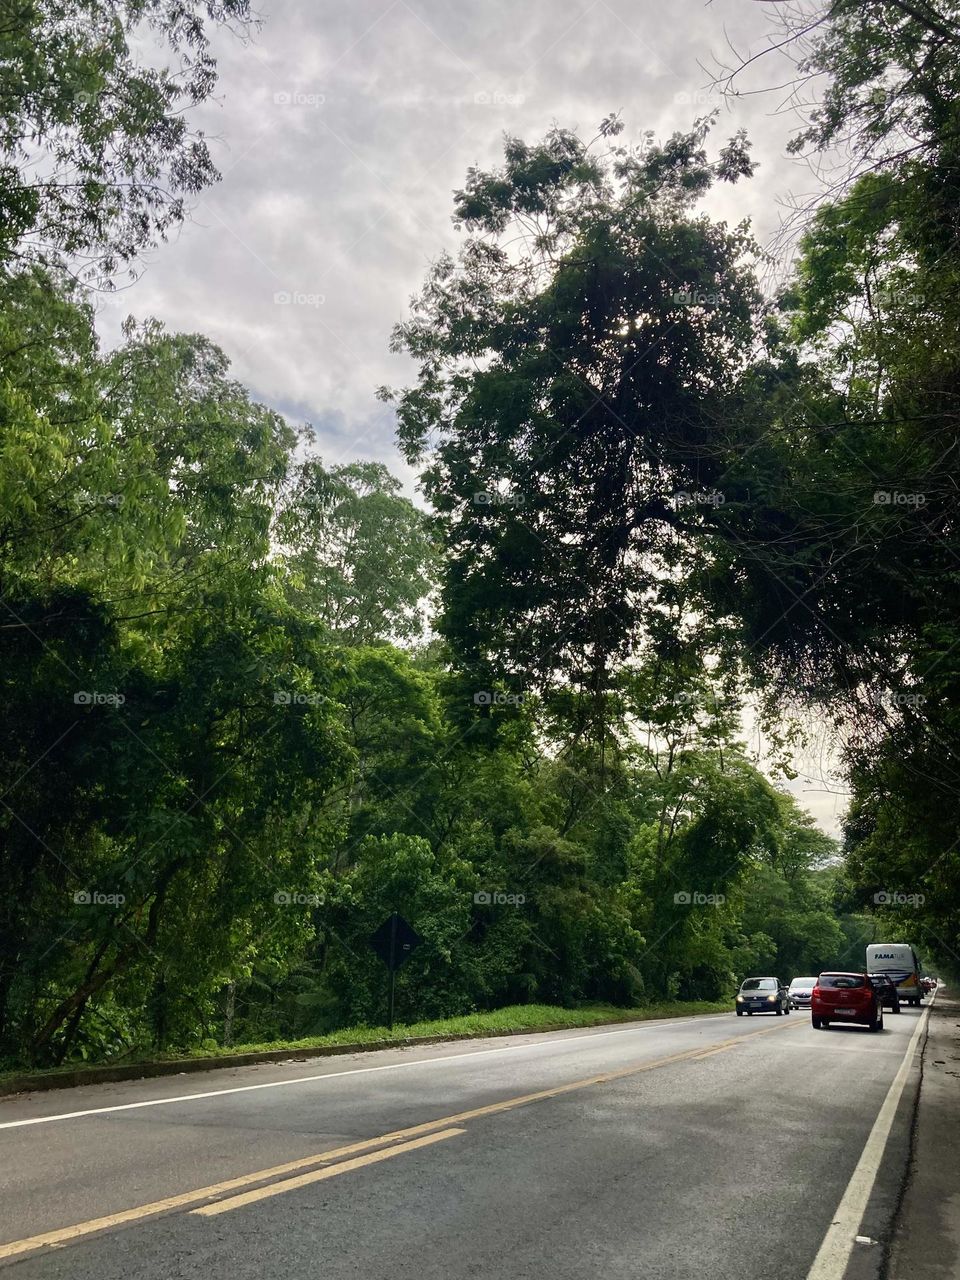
(927, 1238)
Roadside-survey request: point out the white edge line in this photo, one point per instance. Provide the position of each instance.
(336, 1075)
(839, 1242)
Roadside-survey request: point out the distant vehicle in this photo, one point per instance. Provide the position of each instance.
(800, 992)
(899, 961)
(762, 995)
(846, 997)
(929, 985)
(888, 991)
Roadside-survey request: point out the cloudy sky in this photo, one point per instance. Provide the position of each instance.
(341, 131)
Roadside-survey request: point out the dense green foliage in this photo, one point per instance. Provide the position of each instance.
(232, 744)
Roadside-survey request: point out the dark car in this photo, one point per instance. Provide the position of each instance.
(846, 997)
(888, 990)
(762, 995)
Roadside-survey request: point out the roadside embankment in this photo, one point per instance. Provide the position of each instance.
(515, 1020)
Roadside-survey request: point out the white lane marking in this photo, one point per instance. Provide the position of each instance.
(336, 1075)
(838, 1244)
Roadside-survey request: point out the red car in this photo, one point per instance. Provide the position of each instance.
(846, 997)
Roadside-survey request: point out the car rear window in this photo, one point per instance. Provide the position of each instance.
(803, 984)
(840, 981)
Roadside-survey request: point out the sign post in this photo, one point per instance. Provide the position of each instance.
(393, 942)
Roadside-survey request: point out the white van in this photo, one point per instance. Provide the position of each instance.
(899, 961)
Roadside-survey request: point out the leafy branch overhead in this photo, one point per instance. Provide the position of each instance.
(97, 157)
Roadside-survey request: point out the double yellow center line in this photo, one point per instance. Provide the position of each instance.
(318, 1175)
(329, 1164)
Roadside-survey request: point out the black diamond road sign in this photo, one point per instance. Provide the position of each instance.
(394, 941)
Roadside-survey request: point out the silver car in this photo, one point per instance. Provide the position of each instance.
(800, 992)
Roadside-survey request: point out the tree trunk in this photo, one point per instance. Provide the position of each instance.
(228, 1014)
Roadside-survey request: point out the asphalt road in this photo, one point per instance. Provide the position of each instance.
(709, 1147)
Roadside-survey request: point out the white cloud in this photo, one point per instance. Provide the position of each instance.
(341, 132)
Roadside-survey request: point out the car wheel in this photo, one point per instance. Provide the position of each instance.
(739, 1013)
(815, 1022)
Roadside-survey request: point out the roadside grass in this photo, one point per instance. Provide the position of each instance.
(513, 1019)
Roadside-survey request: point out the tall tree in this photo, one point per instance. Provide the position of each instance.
(575, 361)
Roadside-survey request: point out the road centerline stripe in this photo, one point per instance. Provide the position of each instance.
(319, 1175)
(63, 1235)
